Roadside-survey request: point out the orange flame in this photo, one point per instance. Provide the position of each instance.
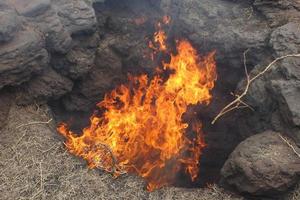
(141, 130)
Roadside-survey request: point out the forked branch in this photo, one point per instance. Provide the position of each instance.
(238, 102)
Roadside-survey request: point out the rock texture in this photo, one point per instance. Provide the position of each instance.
(275, 95)
(285, 39)
(47, 86)
(31, 8)
(58, 39)
(22, 57)
(262, 165)
(9, 23)
(40, 35)
(78, 61)
(279, 12)
(76, 15)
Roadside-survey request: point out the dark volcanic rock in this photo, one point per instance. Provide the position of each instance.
(76, 15)
(90, 90)
(22, 57)
(9, 23)
(42, 28)
(6, 100)
(57, 37)
(80, 59)
(262, 165)
(286, 39)
(289, 94)
(279, 12)
(47, 86)
(107, 58)
(226, 26)
(275, 96)
(31, 8)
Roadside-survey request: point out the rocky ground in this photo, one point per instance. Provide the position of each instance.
(68, 53)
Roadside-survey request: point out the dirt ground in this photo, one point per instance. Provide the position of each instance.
(35, 165)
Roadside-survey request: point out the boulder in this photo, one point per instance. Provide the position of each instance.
(263, 165)
(47, 86)
(77, 16)
(22, 57)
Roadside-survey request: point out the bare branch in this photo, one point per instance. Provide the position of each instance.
(238, 100)
(289, 144)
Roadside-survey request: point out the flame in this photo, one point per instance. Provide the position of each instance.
(141, 129)
(160, 37)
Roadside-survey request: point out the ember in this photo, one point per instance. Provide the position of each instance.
(141, 129)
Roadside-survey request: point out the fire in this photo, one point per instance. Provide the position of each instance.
(141, 129)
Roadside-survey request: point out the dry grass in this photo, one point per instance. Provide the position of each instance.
(35, 165)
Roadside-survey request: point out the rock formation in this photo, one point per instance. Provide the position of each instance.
(262, 165)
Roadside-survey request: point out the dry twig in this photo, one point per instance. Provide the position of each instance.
(42, 179)
(289, 144)
(238, 102)
(33, 123)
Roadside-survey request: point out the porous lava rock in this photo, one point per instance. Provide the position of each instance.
(9, 23)
(279, 12)
(77, 16)
(78, 61)
(275, 95)
(58, 39)
(263, 165)
(47, 86)
(22, 57)
(34, 33)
